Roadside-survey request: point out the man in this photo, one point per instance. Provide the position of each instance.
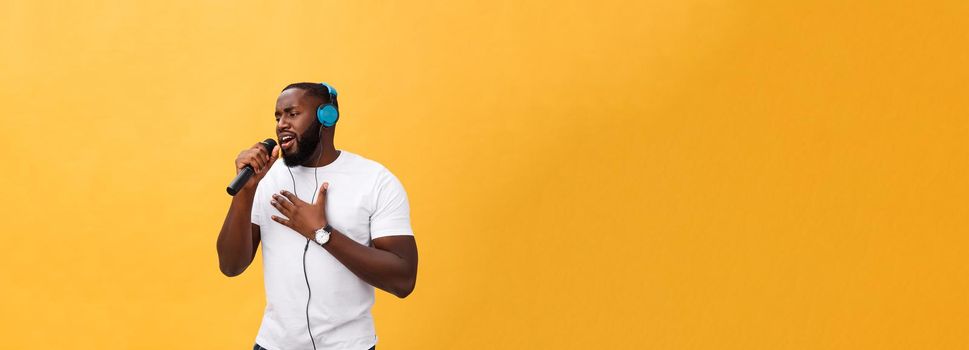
(332, 224)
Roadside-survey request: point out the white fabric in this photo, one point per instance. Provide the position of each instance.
(365, 202)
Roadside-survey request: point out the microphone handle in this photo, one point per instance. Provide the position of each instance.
(240, 180)
(243, 176)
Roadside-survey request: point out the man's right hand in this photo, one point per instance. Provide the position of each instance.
(257, 158)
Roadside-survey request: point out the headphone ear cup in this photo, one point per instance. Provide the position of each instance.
(327, 115)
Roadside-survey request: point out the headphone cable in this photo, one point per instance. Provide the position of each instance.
(309, 291)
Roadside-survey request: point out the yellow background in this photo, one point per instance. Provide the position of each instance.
(583, 175)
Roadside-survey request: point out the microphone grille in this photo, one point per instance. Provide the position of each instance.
(269, 144)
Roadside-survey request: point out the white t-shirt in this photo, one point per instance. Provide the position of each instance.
(365, 202)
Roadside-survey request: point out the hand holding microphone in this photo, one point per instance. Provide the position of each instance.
(254, 161)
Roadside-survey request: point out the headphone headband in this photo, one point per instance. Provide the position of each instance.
(330, 90)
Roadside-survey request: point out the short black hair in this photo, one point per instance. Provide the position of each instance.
(315, 90)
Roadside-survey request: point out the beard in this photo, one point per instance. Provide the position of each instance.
(306, 143)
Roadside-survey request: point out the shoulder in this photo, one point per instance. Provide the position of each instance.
(376, 173)
(362, 165)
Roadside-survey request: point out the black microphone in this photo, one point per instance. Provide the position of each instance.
(243, 176)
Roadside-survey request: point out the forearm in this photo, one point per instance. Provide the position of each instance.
(380, 268)
(391, 264)
(235, 244)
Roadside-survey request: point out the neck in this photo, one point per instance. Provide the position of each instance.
(323, 155)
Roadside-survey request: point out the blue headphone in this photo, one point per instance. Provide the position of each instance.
(327, 113)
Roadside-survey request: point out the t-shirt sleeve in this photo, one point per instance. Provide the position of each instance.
(258, 214)
(392, 214)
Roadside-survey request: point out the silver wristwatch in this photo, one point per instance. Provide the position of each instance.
(323, 235)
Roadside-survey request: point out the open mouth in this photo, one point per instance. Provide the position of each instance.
(286, 141)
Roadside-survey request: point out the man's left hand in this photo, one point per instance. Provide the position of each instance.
(300, 216)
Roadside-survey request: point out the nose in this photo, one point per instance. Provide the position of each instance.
(282, 124)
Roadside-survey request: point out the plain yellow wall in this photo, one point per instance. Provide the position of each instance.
(583, 175)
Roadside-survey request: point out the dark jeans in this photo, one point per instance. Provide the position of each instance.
(257, 347)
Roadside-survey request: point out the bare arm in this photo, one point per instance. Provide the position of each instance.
(391, 264)
(239, 237)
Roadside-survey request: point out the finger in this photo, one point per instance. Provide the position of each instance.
(281, 220)
(321, 197)
(281, 203)
(275, 155)
(261, 153)
(279, 207)
(258, 158)
(291, 197)
(271, 159)
(264, 156)
(258, 163)
(250, 162)
(245, 160)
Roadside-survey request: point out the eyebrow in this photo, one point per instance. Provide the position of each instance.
(288, 109)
